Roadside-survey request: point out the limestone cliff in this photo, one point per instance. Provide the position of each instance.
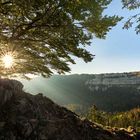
(105, 81)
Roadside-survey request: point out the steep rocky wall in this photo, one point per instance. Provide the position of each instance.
(105, 81)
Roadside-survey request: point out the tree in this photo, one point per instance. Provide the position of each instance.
(44, 35)
(135, 19)
(98, 116)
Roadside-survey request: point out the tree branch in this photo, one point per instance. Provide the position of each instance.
(7, 2)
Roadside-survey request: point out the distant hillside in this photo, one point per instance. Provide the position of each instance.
(109, 92)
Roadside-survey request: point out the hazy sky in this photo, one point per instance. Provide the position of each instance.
(119, 52)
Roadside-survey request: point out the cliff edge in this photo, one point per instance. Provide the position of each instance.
(24, 116)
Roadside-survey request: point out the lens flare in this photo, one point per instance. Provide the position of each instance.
(8, 60)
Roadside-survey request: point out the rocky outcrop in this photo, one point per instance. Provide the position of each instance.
(34, 117)
(8, 88)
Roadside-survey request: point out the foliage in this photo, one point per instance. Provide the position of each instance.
(119, 119)
(46, 34)
(95, 115)
(135, 19)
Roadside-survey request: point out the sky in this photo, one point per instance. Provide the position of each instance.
(119, 52)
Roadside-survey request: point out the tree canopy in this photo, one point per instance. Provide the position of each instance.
(45, 35)
(135, 19)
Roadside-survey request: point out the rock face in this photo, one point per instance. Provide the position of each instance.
(34, 117)
(105, 81)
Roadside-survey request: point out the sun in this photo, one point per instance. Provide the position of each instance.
(8, 60)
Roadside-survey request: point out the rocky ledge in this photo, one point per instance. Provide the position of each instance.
(34, 117)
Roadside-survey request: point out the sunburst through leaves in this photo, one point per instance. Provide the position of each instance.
(8, 57)
(8, 60)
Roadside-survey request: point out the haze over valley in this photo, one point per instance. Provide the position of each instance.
(109, 92)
